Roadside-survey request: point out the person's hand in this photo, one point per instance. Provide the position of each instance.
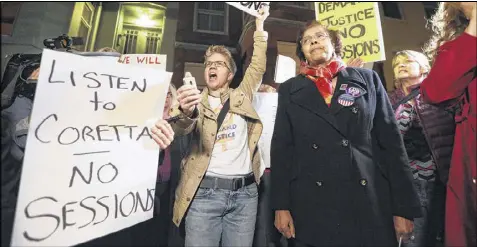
(403, 228)
(284, 223)
(189, 97)
(263, 12)
(162, 134)
(355, 62)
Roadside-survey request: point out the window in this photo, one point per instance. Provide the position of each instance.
(152, 43)
(130, 42)
(9, 15)
(430, 9)
(392, 10)
(211, 17)
(84, 30)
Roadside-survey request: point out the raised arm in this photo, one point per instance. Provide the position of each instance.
(254, 73)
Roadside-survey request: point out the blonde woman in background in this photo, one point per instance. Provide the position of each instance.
(452, 79)
(428, 136)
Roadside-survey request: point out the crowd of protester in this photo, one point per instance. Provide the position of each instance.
(351, 165)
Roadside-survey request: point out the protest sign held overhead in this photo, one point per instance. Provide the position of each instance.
(90, 162)
(157, 61)
(249, 7)
(359, 24)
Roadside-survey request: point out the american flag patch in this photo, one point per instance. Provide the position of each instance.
(346, 100)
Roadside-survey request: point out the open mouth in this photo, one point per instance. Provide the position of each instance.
(212, 75)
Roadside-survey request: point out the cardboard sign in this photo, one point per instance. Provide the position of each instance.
(157, 61)
(284, 69)
(249, 7)
(265, 104)
(359, 24)
(90, 162)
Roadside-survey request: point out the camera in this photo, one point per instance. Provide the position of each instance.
(62, 42)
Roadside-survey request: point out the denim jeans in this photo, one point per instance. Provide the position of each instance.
(222, 216)
(429, 228)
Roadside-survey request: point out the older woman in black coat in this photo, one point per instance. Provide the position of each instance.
(340, 171)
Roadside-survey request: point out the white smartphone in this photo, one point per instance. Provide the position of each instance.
(189, 80)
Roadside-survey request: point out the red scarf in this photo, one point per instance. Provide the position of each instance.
(323, 76)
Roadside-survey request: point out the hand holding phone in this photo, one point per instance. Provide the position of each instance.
(188, 95)
(189, 80)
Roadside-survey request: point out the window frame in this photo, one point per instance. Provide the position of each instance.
(88, 25)
(211, 12)
(399, 7)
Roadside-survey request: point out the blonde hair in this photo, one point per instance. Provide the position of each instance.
(220, 49)
(420, 58)
(446, 24)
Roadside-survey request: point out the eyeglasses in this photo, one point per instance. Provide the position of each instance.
(308, 39)
(218, 64)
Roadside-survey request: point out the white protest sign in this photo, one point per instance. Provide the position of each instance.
(249, 7)
(265, 104)
(90, 163)
(285, 69)
(157, 61)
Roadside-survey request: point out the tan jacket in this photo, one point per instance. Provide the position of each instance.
(195, 165)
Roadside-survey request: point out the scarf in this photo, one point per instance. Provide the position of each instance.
(323, 76)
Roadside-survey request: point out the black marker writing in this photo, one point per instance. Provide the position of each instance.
(101, 178)
(102, 80)
(41, 216)
(44, 208)
(256, 5)
(71, 134)
(107, 106)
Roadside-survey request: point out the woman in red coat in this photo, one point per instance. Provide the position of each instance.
(452, 79)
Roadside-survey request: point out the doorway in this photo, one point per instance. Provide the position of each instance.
(141, 28)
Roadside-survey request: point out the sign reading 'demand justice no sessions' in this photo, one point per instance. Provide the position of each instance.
(90, 162)
(359, 24)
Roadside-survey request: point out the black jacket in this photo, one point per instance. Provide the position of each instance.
(342, 171)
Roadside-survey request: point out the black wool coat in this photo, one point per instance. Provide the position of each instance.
(342, 170)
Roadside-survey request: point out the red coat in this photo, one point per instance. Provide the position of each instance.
(452, 77)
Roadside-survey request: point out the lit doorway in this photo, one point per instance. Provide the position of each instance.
(141, 28)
